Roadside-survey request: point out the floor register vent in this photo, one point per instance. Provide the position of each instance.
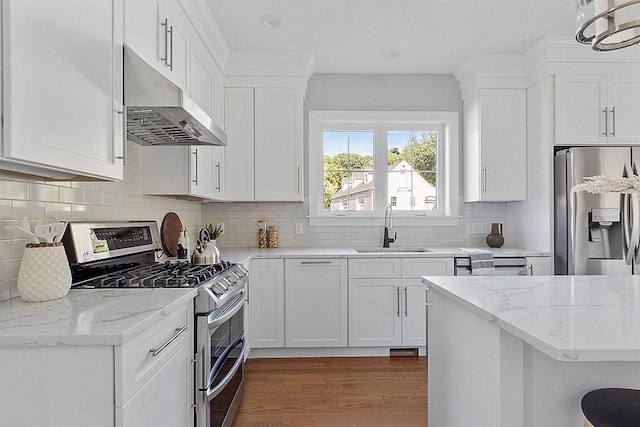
(403, 352)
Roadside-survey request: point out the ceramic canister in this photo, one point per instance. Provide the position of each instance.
(44, 272)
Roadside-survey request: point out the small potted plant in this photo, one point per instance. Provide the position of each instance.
(215, 231)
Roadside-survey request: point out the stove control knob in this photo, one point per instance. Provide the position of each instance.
(223, 283)
(217, 290)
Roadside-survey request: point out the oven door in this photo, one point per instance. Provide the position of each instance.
(221, 361)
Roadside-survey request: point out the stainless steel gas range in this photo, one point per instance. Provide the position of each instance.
(123, 255)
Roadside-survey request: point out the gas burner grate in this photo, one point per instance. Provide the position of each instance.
(164, 275)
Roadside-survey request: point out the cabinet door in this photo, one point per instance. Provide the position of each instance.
(539, 266)
(217, 172)
(218, 97)
(503, 144)
(166, 399)
(624, 109)
(374, 312)
(178, 36)
(202, 171)
(278, 145)
(201, 76)
(142, 29)
(267, 307)
(61, 93)
(316, 303)
(579, 110)
(414, 314)
(239, 152)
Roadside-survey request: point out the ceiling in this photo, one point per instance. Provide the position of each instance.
(418, 36)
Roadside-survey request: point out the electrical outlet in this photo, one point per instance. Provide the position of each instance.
(299, 229)
(477, 228)
(220, 225)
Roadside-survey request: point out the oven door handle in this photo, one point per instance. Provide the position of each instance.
(211, 393)
(234, 307)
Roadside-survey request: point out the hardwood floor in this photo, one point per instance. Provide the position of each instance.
(337, 391)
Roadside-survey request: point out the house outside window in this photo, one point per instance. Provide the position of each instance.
(361, 161)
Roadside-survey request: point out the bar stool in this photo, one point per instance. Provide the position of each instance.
(612, 407)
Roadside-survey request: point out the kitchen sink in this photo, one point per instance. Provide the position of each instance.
(391, 249)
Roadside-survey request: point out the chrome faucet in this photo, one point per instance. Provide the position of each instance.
(388, 223)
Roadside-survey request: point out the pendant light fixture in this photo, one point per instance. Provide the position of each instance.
(608, 24)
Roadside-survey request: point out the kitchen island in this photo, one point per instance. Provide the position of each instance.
(522, 351)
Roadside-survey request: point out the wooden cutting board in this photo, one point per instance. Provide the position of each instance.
(169, 231)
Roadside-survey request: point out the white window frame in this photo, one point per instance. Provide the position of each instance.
(381, 122)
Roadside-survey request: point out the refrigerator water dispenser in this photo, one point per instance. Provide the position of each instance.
(605, 234)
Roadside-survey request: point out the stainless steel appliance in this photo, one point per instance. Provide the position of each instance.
(593, 233)
(510, 266)
(122, 255)
(159, 112)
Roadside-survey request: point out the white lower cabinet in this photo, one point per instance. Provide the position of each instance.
(390, 311)
(316, 303)
(339, 303)
(267, 303)
(155, 375)
(105, 385)
(539, 266)
(374, 312)
(167, 398)
(298, 303)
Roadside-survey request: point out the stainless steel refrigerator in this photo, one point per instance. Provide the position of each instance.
(595, 233)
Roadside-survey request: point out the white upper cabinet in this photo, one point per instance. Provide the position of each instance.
(278, 144)
(159, 31)
(597, 109)
(62, 88)
(142, 30)
(163, 34)
(264, 130)
(193, 171)
(495, 146)
(239, 124)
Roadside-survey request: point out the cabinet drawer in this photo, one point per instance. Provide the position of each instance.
(374, 267)
(134, 360)
(417, 267)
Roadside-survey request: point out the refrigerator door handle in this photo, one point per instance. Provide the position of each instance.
(630, 222)
(635, 224)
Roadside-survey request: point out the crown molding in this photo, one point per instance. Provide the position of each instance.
(270, 64)
(491, 71)
(564, 55)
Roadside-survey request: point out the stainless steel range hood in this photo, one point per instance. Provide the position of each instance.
(159, 112)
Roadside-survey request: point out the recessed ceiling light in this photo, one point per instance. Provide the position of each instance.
(391, 53)
(271, 21)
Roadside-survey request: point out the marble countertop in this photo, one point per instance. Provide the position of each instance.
(235, 254)
(569, 318)
(87, 316)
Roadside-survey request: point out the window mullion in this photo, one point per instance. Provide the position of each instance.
(381, 168)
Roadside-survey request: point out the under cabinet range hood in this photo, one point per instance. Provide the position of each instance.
(159, 112)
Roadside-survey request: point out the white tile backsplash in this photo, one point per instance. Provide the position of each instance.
(124, 200)
(80, 201)
(241, 223)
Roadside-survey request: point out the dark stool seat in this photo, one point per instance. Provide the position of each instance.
(612, 407)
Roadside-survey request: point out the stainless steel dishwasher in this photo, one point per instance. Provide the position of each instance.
(507, 266)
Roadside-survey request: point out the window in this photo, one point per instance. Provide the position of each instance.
(361, 161)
